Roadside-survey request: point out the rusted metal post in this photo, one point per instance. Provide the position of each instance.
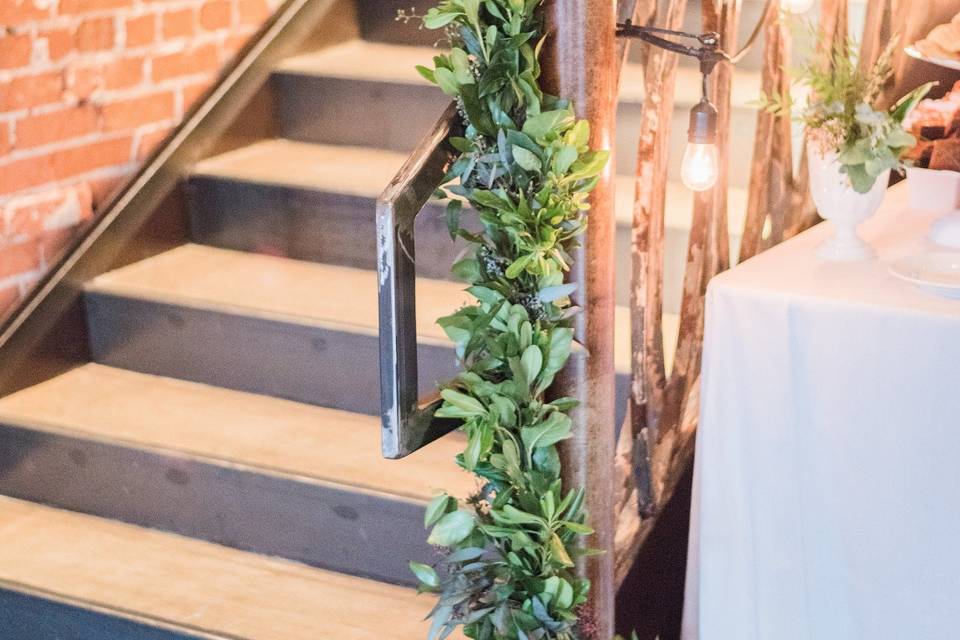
(581, 65)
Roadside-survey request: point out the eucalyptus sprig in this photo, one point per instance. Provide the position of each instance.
(526, 169)
(841, 116)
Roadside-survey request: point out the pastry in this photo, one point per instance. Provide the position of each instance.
(943, 41)
(947, 36)
(936, 125)
(946, 154)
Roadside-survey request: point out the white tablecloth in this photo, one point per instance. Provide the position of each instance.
(827, 480)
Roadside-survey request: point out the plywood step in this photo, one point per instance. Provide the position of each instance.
(244, 470)
(319, 93)
(298, 330)
(168, 587)
(316, 202)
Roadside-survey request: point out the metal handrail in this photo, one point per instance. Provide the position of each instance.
(408, 420)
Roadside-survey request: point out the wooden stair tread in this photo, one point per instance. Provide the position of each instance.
(308, 293)
(194, 585)
(360, 171)
(233, 427)
(300, 292)
(363, 171)
(384, 62)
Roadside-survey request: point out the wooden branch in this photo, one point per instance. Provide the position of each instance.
(709, 247)
(771, 174)
(648, 371)
(659, 407)
(640, 12)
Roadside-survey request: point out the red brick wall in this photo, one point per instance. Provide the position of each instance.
(87, 89)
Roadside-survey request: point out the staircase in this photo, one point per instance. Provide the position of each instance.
(214, 470)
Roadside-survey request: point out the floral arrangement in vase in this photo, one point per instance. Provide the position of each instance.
(852, 144)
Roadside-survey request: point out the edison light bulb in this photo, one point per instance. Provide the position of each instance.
(796, 7)
(701, 166)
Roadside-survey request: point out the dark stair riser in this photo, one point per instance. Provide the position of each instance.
(307, 224)
(26, 616)
(329, 526)
(382, 115)
(329, 367)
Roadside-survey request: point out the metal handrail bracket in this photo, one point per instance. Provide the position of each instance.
(408, 420)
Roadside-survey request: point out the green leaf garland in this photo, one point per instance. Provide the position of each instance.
(526, 169)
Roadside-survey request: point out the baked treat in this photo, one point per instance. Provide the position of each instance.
(943, 41)
(936, 125)
(946, 36)
(946, 154)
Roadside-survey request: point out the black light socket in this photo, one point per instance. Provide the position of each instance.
(703, 123)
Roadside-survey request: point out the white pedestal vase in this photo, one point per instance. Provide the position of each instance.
(845, 208)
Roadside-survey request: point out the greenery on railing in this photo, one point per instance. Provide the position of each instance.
(526, 168)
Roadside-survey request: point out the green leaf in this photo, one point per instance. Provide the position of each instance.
(478, 444)
(518, 265)
(532, 362)
(579, 134)
(436, 509)
(526, 159)
(437, 19)
(427, 73)
(567, 155)
(472, 9)
(564, 595)
(425, 574)
(477, 114)
(451, 529)
(491, 200)
(467, 270)
(578, 528)
(899, 139)
(555, 428)
(538, 126)
(463, 401)
(589, 165)
(462, 145)
(447, 81)
(550, 294)
(907, 103)
(511, 453)
(860, 179)
(559, 552)
(484, 294)
(461, 66)
(454, 210)
(512, 514)
(561, 341)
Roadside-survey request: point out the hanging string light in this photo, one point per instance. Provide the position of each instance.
(701, 160)
(700, 168)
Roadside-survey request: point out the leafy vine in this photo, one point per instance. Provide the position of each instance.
(526, 168)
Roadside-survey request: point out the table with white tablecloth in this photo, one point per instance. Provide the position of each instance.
(827, 480)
